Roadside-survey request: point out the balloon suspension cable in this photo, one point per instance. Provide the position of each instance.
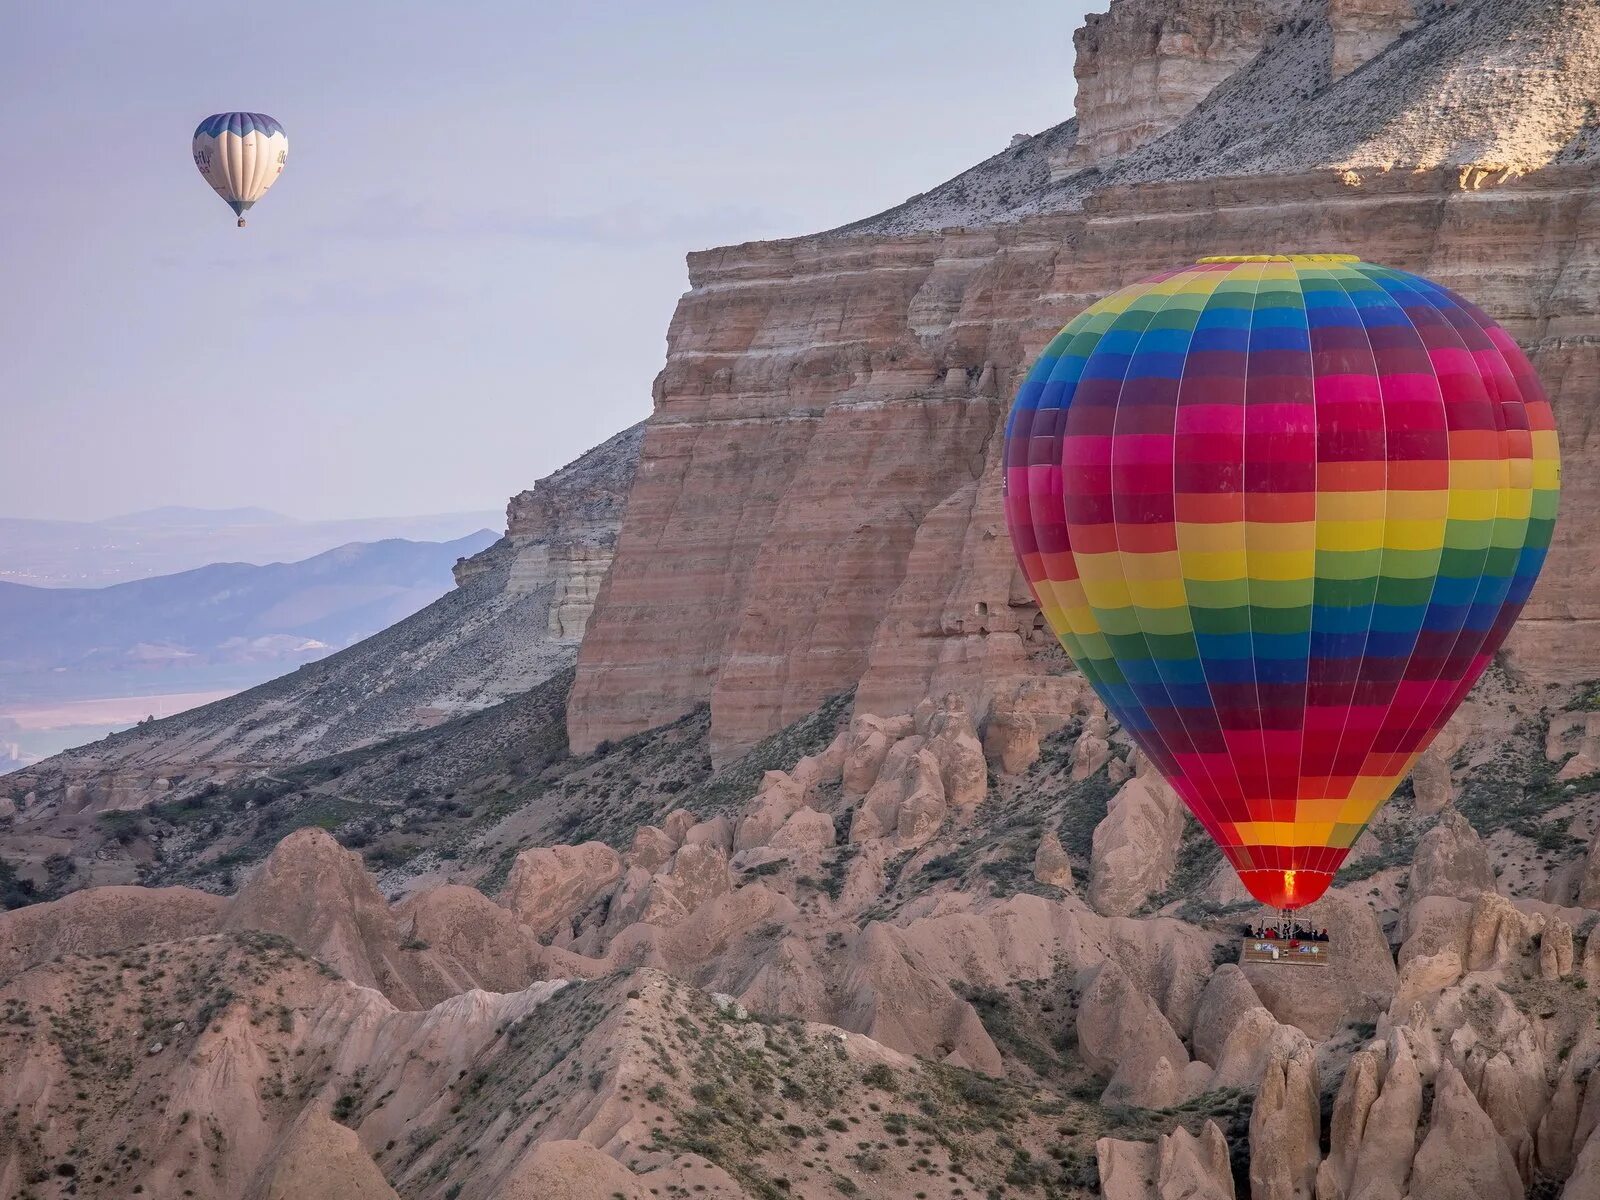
(1285, 923)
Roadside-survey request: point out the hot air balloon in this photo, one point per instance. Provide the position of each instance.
(1282, 510)
(241, 155)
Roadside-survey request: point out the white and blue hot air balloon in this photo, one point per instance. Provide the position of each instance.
(241, 155)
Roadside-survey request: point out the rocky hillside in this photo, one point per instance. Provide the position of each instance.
(910, 962)
(513, 620)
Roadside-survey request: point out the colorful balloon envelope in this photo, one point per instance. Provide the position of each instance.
(1282, 510)
(241, 155)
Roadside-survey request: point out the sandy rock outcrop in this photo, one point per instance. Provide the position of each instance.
(1575, 737)
(1462, 1157)
(1136, 845)
(549, 885)
(1499, 933)
(1176, 1166)
(320, 1157)
(1557, 1143)
(866, 745)
(954, 745)
(1432, 780)
(779, 797)
(651, 848)
(1434, 953)
(1051, 866)
(699, 873)
(1144, 65)
(569, 1170)
(1092, 750)
(466, 940)
(1589, 881)
(317, 894)
(1227, 998)
(1286, 1127)
(1450, 860)
(1373, 1135)
(1555, 950)
(907, 803)
(807, 829)
(1124, 1036)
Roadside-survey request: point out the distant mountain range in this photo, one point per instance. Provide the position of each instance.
(161, 541)
(225, 625)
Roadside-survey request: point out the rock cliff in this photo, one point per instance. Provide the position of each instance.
(817, 506)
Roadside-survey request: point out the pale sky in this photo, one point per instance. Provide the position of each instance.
(464, 276)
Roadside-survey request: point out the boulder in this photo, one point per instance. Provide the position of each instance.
(807, 829)
(1051, 866)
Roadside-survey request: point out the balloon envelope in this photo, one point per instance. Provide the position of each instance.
(240, 155)
(1282, 510)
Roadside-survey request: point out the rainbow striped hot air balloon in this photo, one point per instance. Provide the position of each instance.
(1282, 510)
(241, 155)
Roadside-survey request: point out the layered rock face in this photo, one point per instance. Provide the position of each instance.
(818, 503)
(1143, 65)
(563, 531)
